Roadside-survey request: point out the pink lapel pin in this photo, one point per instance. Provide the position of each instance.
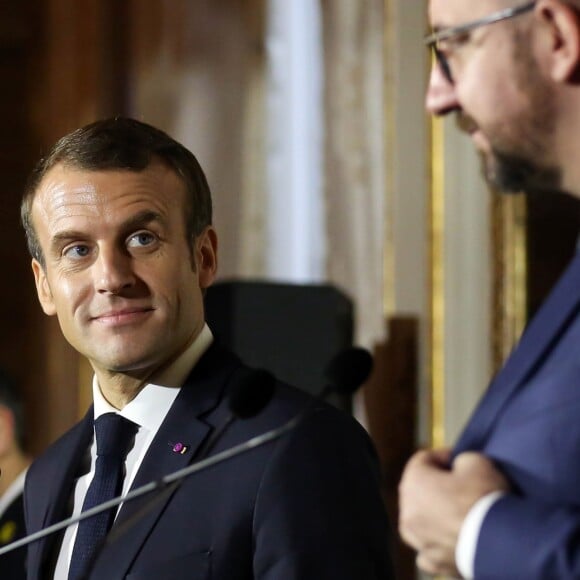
(179, 448)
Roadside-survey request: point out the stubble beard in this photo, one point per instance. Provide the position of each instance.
(510, 173)
(517, 158)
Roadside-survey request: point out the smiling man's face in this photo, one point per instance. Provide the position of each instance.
(119, 273)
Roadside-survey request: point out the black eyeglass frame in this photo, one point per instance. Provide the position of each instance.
(432, 40)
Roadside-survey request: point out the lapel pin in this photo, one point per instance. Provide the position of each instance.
(179, 448)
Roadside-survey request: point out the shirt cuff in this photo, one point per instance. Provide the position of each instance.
(469, 534)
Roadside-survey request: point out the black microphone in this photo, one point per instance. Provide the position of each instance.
(247, 397)
(345, 373)
(250, 394)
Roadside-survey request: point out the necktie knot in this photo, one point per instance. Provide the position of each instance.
(114, 435)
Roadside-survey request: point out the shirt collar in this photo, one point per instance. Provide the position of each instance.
(149, 408)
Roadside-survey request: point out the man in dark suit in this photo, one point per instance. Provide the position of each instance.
(505, 502)
(13, 465)
(118, 221)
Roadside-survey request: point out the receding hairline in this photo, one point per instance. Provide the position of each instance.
(77, 167)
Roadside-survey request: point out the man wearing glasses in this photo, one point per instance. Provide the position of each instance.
(505, 502)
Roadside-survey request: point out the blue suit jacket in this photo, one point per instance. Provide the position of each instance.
(304, 506)
(529, 423)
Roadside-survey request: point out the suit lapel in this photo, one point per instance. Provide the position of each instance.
(60, 482)
(201, 393)
(542, 334)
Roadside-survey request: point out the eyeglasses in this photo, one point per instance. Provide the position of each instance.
(433, 40)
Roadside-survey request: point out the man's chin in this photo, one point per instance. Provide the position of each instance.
(499, 181)
(136, 365)
(511, 174)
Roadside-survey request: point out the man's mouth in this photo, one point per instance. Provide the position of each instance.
(122, 316)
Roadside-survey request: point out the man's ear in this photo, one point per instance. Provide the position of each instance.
(561, 28)
(206, 247)
(43, 289)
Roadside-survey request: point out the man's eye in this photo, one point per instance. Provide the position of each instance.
(141, 240)
(76, 252)
(454, 43)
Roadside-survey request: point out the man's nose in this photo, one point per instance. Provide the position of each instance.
(113, 271)
(441, 97)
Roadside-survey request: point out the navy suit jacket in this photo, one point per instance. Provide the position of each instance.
(306, 506)
(528, 422)
(11, 530)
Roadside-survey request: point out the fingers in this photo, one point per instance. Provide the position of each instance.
(441, 457)
(420, 489)
(423, 470)
(434, 500)
(470, 460)
(480, 472)
(423, 464)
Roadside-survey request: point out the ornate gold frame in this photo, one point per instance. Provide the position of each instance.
(437, 282)
(508, 275)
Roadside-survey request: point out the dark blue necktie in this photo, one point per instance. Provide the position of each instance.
(114, 435)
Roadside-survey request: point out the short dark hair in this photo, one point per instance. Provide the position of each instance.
(122, 143)
(10, 398)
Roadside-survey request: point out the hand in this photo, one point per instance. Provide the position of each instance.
(434, 499)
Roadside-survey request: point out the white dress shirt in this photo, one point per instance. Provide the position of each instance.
(148, 410)
(469, 534)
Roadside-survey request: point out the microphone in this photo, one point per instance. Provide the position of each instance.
(251, 393)
(347, 371)
(344, 374)
(247, 397)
